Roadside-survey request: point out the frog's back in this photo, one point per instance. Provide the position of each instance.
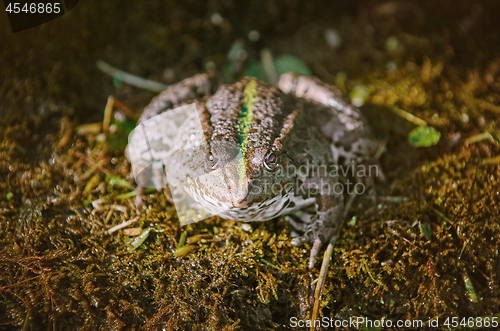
(341, 122)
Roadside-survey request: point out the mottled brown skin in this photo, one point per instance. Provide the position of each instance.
(311, 125)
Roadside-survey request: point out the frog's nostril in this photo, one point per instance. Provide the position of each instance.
(211, 160)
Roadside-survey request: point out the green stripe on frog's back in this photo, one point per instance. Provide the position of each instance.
(246, 116)
(245, 120)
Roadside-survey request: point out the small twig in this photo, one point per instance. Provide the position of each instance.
(267, 63)
(92, 162)
(19, 283)
(409, 242)
(132, 194)
(108, 111)
(321, 282)
(492, 160)
(479, 137)
(28, 307)
(197, 238)
(122, 225)
(443, 216)
(270, 264)
(89, 128)
(367, 269)
(488, 106)
(380, 149)
(68, 127)
(92, 170)
(129, 78)
(27, 318)
(393, 199)
(409, 117)
(108, 217)
(132, 232)
(126, 109)
(463, 248)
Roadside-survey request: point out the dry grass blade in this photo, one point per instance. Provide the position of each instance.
(129, 78)
(321, 282)
(122, 225)
(107, 114)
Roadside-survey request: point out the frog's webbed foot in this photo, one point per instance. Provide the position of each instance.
(150, 177)
(324, 229)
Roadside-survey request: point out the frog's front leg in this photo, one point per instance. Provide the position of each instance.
(191, 88)
(325, 226)
(187, 90)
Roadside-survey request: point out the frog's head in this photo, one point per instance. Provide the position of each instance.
(247, 160)
(241, 180)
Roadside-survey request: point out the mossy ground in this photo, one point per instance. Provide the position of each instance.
(429, 249)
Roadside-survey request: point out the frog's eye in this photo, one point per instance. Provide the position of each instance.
(270, 161)
(211, 160)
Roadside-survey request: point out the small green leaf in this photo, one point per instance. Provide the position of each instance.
(469, 287)
(359, 94)
(256, 69)
(139, 240)
(425, 229)
(126, 195)
(126, 125)
(184, 250)
(88, 201)
(282, 64)
(9, 196)
(133, 194)
(392, 44)
(182, 240)
(287, 62)
(119, 138)
(117, 82)
(424, 136)
(92, 183)
(118, 181)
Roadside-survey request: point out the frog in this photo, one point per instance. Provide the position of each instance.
(270, 143)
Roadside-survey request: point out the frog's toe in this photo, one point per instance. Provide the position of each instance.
(298, 241)
(139, 197)
(308, 237)
(305, 238)
(314, 252)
